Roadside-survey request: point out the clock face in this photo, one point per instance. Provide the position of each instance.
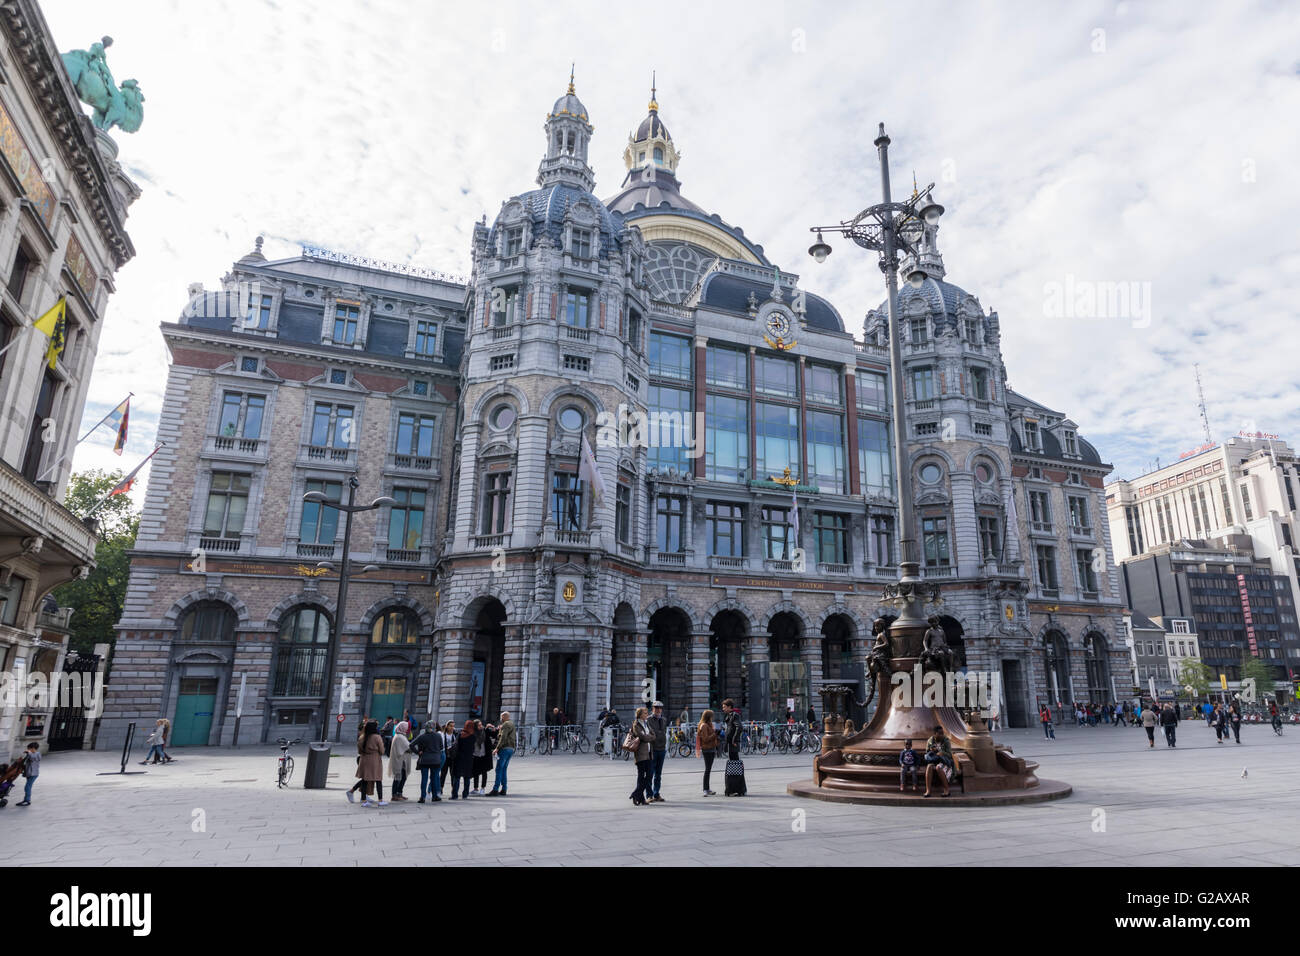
(778, 325)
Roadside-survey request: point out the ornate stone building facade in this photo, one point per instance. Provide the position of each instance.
(664, 470)
(63, 205)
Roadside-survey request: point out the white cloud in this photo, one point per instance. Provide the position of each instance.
(389, 128)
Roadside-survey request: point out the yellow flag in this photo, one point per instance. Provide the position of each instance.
(53, 323)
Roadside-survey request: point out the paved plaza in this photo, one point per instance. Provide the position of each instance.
(1131, 806)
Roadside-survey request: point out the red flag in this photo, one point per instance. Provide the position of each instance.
(123, 486)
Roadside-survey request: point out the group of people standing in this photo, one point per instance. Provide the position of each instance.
(467, 755)
(647, 739)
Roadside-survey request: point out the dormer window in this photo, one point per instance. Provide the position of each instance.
(580, 244)
(514, 241)
(346, 319)
(920, 331)
(258, 315)
(972, 331)
(1033, 441)
(1071, 443)
(426, 338)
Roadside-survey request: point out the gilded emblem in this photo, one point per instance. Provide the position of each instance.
(570, 591)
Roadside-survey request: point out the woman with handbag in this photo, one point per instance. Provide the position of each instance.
(399, 759)
(463, 768)
(638, 740)
(735, 772)
(370, 768)
(706, 745)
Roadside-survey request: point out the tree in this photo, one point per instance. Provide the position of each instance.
(97, 600)
(1195, 674)
(1253, 667)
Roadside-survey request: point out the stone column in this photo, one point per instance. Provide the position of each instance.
(455, 660)
(512, 670)
(810, 652)
(598, 659)
(757, 652)
(530, 505)
(698, 675)
(638, 648)
(468, 482)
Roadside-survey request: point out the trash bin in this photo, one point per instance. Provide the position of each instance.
(318, 766)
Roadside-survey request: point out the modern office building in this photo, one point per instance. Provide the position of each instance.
(64, 200)
(630, 455)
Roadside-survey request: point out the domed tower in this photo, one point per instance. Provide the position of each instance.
(651, 147)
(543, 514)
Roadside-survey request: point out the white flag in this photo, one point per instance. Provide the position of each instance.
(588, 472)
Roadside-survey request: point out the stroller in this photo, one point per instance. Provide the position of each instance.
(8, 774)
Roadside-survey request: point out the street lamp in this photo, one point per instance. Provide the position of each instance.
(886, 228)
(336, 636)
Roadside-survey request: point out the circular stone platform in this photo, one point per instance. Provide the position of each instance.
(1046, 790)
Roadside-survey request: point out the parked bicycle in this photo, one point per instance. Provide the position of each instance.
(284, 767)
(576, 739)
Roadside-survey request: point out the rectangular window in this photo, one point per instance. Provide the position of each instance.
(566, 501)
(346, 318)
(726, 438)
(990, 537)
(227, 505)
(259, 312)
(332, 426)
(1040, 509)
(1032, 441)
(241, 415)
(23, 267)
(580, 244)
(501, 363)
(871, 391)
(778, 534)
(406, 519)
(1086, 577)
(923, 383)
(830, 537)
(426, 338)
(934, 540)
(670, 425)
(496, 503)
(1079, 522)
(1071, 442)
(920, 331)
(320, 521)
(507, 305)
(979, 384)
(822, 385)
(776, 376)
(777, 440)
(726, 527)
(7, 327)
(1046, 556)
(670, 516)
(514, 241)
(634, 329)
(826, 451)
(670, 356)
(1227, 501)
(1245, 502)
(415, 434)
(972, 331)
(623, 514)
(727, 368)
(577, 308)
(875, 457)
(984, 429)
(882, 540)
(577, 363)
(11, 596)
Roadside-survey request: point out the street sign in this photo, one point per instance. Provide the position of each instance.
(340, 718)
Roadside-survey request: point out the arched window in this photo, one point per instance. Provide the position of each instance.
(659, 156)
(208, 621)
(1097, 662)
(302, 651)
(1056, 653)
(396, 626)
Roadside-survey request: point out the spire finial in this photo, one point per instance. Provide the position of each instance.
(654, 99)
(915, 188)
(571, 66)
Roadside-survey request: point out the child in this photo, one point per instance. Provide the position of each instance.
(31, 770)
(906, 765)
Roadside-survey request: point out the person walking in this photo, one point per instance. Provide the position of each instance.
(155, 742)
(1234, 716)
(641, 734)
(735, 771)
(1045, 715)
(399, 760)
(463, 769)
(450, 744)
(1169, 721)
(1149, 725)
(429, 749)
(1219, 721)
(484, 743)
(504, 750)
(31, 770)
(658, 724)
(370, 768)
(706, 736)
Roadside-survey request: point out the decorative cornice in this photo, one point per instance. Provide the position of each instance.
(33, 46)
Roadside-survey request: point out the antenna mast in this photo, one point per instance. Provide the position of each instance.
(1200, 394)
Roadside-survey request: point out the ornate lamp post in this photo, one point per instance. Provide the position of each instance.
(336, 634)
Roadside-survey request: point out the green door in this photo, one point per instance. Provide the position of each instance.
(387, 698)
(193, 723)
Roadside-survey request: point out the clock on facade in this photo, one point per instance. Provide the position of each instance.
(777, 326)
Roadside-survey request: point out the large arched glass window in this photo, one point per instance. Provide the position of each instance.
(208, 621)
(302, 651)
(397, 626)
(1096, 659)
(1056, 654)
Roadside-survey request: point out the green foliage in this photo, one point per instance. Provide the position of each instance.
(1264, 674)
(97, 601)
(1196, 675)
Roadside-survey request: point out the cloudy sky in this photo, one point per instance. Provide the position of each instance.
(1078, 147)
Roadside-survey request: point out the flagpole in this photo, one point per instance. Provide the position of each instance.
(129, 396)
(103, 501)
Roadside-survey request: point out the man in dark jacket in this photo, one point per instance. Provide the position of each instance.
(1169, 721)
(429, 750)
(658, 723)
